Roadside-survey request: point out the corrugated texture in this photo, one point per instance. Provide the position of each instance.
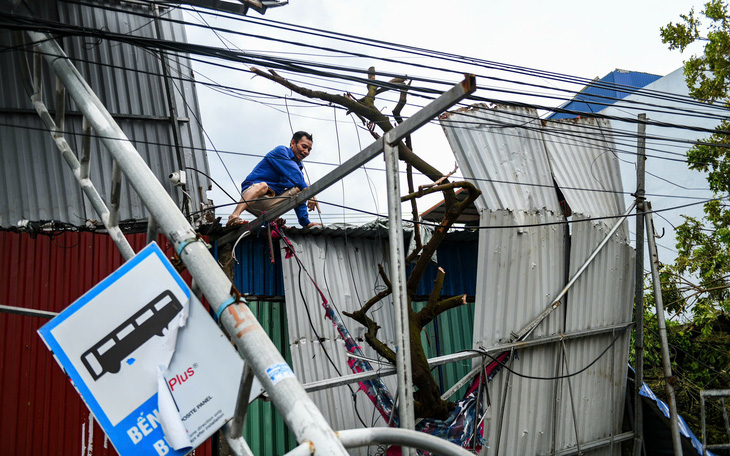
(37, 183)
(42, 412)
(255, 273)
(602, 297)
(459, 260)
(265, 430)
(501, 149)
(608, 90)
(346, 271)
(520, 273)
(583, 159)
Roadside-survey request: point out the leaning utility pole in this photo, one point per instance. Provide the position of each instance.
(666, 360)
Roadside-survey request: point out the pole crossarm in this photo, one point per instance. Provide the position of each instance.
(79, 169)
(422, 117)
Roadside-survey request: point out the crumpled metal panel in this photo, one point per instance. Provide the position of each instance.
(520, 273)
(583, 159)
(36, 182)
(602, 297)
(502, 150)
(346, 271)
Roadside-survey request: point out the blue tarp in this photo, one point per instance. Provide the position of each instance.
(683, 428)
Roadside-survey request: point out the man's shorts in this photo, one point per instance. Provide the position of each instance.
(270, 201)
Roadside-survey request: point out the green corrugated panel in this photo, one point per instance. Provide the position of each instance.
(455, 330)
(428, 335)
(452, 332)
(265, 430)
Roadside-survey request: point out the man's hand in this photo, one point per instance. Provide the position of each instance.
(313, 224)
(312, 203)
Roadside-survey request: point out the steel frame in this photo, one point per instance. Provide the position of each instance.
(288, 395)
(721, 394)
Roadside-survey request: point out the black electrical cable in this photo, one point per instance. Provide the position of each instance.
(623, 119)
(295, 65)
(342, 37)
(466, 177)
(321, 342)
(557, 377)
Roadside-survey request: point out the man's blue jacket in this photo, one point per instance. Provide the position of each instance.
(281, 171)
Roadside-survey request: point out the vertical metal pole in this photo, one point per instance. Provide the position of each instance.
(235, 430)
(398, 282)
(116, 194)
(704, 428)
(666, 361)
(725, 418)
(176, 136)
(152, 229)
(639, 286)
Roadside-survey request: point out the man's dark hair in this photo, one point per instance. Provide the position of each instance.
(299, 135)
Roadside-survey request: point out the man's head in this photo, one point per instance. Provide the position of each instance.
(301, 144)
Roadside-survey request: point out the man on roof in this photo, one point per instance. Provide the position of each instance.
(276, 178)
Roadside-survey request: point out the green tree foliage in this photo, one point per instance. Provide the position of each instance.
(695, 287)
(700, 273)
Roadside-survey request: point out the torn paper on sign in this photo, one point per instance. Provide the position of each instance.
(198, 390)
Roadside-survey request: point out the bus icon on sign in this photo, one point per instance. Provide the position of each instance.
(107, 354)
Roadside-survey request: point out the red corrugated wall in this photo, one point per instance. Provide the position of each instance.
(40, 411)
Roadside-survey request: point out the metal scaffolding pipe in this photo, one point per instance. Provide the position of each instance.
(401, 309)
(462, 356)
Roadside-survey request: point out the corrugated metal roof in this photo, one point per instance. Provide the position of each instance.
(265, 430)
(520, 272)
(602, 297)
(41, 411)
(605, 91)
(584, 163)
(38, 184)
(501, 148)
(346, 271)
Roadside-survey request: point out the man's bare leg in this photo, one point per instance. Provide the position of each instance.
(253, 192)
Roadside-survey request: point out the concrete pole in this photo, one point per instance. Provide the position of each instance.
(639, 286)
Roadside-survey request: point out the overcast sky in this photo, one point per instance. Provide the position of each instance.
(577, 38)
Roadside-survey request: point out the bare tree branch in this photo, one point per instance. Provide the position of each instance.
(431, 311)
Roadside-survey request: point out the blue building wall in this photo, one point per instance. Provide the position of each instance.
(255, 274)
(598, 94)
